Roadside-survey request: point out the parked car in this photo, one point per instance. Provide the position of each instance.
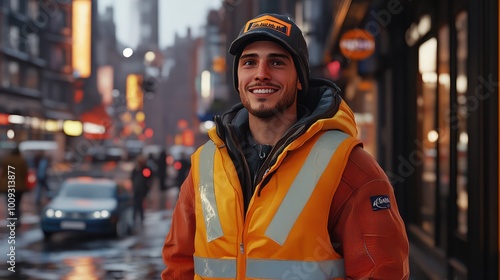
(30, 148)
(98, 153)
(134, 148)
(154, 150)
(90, 205)
(108, 152)
(116, 153)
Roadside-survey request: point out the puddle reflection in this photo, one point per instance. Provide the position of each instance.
(83, 268)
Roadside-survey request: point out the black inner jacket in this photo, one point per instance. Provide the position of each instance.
(322, 101)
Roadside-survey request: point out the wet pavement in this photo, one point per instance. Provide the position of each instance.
(72, 256)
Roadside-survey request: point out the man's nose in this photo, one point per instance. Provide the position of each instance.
(263, 73)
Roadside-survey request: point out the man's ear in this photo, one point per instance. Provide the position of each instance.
(299, 85)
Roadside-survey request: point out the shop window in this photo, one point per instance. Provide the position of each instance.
(58, 20)
(34, 44)
(58, 57)
(14, 38)
(32, 78)
(13, 74)
(427, 134)
(56, 92)
(365, 103)
(33, 9)
(444, 121)
(14, 5)
(460, 125)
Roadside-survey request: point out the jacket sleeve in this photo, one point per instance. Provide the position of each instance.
(178, 249)
(372, 239)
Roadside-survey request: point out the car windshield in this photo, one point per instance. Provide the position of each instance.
(87, 191)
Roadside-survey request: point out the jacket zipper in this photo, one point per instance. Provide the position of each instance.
(273, 155)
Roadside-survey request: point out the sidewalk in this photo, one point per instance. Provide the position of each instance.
(29, 212)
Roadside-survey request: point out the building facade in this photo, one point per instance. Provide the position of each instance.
(36, 74)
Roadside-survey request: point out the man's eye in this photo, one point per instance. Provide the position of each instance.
(248, 62)
(278, 62)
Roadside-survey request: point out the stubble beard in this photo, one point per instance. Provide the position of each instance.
(266, 113)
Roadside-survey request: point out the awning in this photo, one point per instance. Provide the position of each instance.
(97, 116)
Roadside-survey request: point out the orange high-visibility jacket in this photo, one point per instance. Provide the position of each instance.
(327, 212)
(284, 232)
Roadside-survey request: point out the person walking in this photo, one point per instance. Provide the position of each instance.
(13, 177)
(184, 167)
(140, 177)
(161, 165)
(283, 189)
(42, 165)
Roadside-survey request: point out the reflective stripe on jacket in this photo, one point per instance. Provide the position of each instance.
(284, 234)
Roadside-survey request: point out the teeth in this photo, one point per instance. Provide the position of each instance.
(263, 91)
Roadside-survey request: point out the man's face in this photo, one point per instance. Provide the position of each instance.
(267, 80)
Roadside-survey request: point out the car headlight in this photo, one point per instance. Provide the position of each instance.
(51, 213)
(101, 214)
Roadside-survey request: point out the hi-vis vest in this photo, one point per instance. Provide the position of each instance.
(284, 234)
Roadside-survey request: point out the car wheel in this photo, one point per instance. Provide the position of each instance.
(121, 228)
(47, 235)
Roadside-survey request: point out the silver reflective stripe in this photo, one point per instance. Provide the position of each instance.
(215, 268)
(275, 269)
(207, 193)
(270, 269)
(302, 187)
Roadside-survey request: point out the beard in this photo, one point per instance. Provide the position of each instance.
(264, 112)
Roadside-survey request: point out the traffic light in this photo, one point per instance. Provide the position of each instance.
(146, 172)
(149, 84)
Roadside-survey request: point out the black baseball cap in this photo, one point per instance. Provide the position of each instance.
(277, 28)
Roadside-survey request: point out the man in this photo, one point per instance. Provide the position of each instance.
(42, 166)
(283, 189)
(13, 178)
(140, 178)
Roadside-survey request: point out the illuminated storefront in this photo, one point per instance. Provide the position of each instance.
(427, 107)
(444, 134)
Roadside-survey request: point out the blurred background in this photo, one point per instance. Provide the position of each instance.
(96, 85)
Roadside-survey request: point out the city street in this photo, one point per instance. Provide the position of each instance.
(79, 256)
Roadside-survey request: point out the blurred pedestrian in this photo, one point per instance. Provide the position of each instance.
(184, 167)
(284, 189)
(139, 178)
(13, 178)
(161, 165)
(151, 164)
(42, 163)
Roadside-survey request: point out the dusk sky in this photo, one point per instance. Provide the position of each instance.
(175, 17)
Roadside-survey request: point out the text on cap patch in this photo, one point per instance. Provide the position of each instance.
(269, 22)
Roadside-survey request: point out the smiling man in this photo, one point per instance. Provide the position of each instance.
(283, 189)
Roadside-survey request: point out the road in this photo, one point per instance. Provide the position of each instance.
(71, 256)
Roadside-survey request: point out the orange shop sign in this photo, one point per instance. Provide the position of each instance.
(357, 44)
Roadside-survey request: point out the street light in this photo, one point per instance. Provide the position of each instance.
(128, 52)
(149, 57)
(151, 72)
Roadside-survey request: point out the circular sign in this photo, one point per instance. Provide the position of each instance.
(357, 44)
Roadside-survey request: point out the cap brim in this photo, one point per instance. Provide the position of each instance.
(254, 36)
